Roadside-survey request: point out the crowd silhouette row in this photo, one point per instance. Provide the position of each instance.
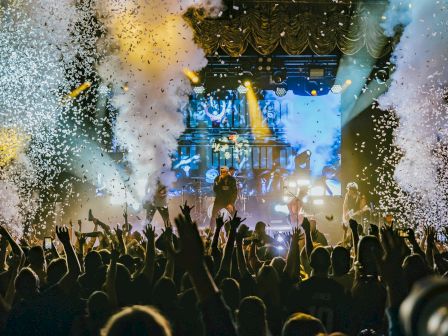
(232, 281)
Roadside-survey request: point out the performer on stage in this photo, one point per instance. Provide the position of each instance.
(295, 207)
(226, 193)
(354, 206)
(160, 204)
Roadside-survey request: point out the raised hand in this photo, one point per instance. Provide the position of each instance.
(191, 253)
(296, 235)
(430, 235)
(219, 221)
(82, 238)
(353, 225)
(236, 221)
(411, 235)
(62, 234)
(119, 232)
(186, 210)
(306, 225)
(149, 232)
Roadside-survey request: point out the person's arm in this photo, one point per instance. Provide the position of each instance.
(430, 242)
(216, 254)
(240, 257)
(355, 235)
(392, 275)
(150, 256)
(215, 315)
(170, 253)
(119, 233)
(111, 278)
(254, 262)
(292, 267)
(308, 240)
(226, 262)
(105, 228)
(82, 242)
(92, 240)
(3, 249)
(415, 247)
(74, 269)
(16, 249)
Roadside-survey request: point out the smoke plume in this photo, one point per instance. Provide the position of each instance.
(149, 46)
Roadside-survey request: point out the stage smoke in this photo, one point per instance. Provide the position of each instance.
(416, 94)
(149, 46)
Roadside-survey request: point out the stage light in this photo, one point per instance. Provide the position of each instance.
(348, 82)
(280, 248)
(336, 89)
(313, 92)
(279, 76)
(281, 208)
(303, 182)
(280, 91)
(125, 87)
(318, 202)
(192, 76)
(292, 184)
(199, 89)
(280, 238)
(258, 129)
(317, 191)
(247, 84)
(242, 89)
(76, 92)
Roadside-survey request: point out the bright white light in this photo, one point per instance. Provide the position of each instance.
(305, 199)
(318, 202)
(280, 248)
(317, 191)
(292, 184)
(281, 208)
(199, 89)
(336, 89)
(242, 89)
(285, 199)
(280, 238)
(303, 182)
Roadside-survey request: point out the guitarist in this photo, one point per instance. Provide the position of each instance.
(354, 205)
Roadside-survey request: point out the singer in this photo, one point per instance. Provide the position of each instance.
(226, 192)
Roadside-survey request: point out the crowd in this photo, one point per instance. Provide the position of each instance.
(232, 281)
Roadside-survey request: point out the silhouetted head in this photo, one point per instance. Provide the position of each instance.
(93, 262)
(369, 250)
(279, 264)
(230, 290)
(99, 306)
(340, 260)
(36, 257)
(26, 284)
(251, 317)
(57, 268)
(105, 256)
(164, 293)
(320, 261)
(415, 269)
(303, 325)
(137, 321)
